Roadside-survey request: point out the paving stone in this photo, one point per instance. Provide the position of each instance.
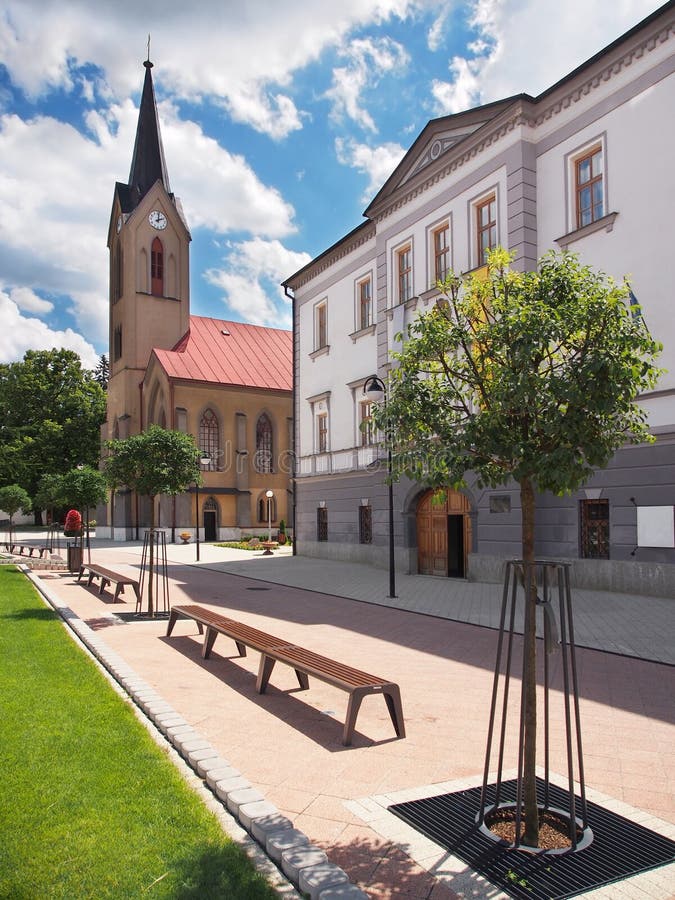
(343, 892)
(315, 879)
(281, 841)
(292, 861)
(213, 776)
(257, 809)
(264, 826)
(237, 798)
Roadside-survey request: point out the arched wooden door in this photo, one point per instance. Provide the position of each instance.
(443, 533)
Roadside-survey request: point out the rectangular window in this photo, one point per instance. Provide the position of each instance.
(365, 309)
(322, 433)
(404, 272)
(594, 521)
(588, 187)
(321, 326)
(441, 253)
(366, 423)
(321, 523)
(365, 524)
(117, 343)
(486, 227)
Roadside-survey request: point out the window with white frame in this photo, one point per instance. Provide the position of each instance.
(485, 211)
(404, 273)
(440, 248)
(321, 326)
(364, 303)
(322, 432)
(366, 433)
(589, 185)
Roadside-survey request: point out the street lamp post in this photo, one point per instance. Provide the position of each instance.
(204, 459)
(269, 495)
(376, 392)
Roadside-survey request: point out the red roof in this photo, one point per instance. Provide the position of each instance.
(219, 352)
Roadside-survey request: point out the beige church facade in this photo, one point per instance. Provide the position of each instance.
(229, 384)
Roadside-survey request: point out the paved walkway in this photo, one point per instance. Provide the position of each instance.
(287, 743)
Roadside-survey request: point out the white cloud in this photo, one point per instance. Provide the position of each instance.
(28, 301)
(367, 60)
(436, 33)
(251, 278)
(376, 162)
(500, 61)
(21, 333)
(240, 55)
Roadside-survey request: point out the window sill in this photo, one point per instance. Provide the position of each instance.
(606, 223)
(406, 304)
(322, 351)
(362, 332)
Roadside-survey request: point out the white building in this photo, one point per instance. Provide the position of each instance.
(587, 165)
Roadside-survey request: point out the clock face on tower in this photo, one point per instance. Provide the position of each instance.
(157, 219)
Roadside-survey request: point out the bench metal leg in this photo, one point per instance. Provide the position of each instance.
(118, 590)
(392, 695)
(355, 699)
(80, 573)
(264, 672)
(104, 584)
(303, 680)
(209, 641)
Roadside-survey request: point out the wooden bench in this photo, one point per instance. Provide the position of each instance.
(273, 649)
(107, 577)
(28, 548)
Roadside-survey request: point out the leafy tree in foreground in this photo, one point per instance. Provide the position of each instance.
(530, 376)
(156, 461)
(51, 411)
(12, 499)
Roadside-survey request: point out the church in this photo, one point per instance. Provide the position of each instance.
(229, 384)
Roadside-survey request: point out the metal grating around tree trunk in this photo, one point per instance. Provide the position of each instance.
(620, 848)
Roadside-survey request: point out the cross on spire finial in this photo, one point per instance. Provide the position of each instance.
(148, 48)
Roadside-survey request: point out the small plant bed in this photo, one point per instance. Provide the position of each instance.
(554, 831)
(97, 809)
(240, 545)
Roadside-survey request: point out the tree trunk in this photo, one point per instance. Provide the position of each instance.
(527, 499)
(151, 560)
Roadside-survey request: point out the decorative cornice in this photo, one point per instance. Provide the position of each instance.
(338, 252)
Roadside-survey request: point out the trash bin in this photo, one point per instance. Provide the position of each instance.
(74, 557)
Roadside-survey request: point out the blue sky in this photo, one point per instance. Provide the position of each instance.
(280, 120)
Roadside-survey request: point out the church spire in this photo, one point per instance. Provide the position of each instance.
(148, 162)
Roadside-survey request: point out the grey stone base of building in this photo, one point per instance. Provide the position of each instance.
(620, 576)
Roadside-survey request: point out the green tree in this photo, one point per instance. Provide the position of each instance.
(51, 411)
(102, 372)
(156, 461)
(83, 487)
(49, 493)
(530, 376)
(12, 499)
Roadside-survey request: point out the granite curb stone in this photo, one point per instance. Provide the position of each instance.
(288, 839)
(297, 858)
(315, 879)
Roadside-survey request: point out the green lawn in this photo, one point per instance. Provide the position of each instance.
(90, 806)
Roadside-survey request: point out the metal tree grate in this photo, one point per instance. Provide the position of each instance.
(620, 848)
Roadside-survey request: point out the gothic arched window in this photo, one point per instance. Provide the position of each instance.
(157, 268)
(209, 439)
(263, 444)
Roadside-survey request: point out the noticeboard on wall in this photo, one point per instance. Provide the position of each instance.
(656, 526)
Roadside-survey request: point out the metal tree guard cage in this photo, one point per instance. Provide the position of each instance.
(548, 574)
(154, 540)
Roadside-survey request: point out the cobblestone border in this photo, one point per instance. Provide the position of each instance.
(289, 860)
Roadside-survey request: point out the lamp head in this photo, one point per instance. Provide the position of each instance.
(204, 457)
(374, 389)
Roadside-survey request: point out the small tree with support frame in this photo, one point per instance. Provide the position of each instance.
(526, 376)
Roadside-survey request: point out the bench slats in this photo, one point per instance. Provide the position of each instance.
(107, 577)
(272, 649)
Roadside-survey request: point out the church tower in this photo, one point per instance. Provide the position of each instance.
(149, 297)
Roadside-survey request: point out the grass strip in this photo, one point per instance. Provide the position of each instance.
(90, 805)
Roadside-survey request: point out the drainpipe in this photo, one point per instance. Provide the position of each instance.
(291, 296)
